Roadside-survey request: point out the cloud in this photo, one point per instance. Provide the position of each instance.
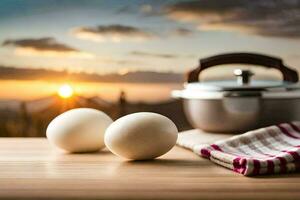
(266, 18)
(114, 33)
(120, 62)
(181, 32)
(123, 76)
(150, 54)
(46, 46)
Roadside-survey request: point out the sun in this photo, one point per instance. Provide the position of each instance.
(65, 91)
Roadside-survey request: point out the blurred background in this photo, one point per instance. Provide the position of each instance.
(124, 56)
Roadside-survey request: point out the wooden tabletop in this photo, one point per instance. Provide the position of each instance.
(31, 169)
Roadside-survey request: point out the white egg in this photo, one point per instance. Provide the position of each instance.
(141, 136)
(79, 130)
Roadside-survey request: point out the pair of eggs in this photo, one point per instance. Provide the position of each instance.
(137, 136)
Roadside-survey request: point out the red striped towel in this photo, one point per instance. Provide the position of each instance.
(274, 149)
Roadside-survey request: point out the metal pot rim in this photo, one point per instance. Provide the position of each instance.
(196, 94)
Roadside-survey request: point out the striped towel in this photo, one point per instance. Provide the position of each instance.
(274, 149)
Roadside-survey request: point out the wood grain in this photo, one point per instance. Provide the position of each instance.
(31, 169)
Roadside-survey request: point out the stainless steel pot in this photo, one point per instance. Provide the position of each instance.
(241, 105)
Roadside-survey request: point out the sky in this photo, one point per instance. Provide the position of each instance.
(127, 35)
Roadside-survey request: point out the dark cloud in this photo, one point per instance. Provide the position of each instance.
(157, 55)
(46, 46)
(280, 18)
(115, 33)
(41, 44)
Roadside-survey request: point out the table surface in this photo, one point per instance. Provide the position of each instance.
(31, 169)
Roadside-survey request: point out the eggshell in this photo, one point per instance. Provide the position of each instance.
(141, 136)
(79, 130)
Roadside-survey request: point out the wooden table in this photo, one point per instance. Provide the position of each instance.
(31, 169)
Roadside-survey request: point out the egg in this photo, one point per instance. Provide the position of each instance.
(141, 136)
(79, 130)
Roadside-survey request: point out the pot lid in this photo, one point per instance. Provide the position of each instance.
(242, 83)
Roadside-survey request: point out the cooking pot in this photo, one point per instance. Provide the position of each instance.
(234, 106)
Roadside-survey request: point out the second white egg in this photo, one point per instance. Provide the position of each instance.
(141, 136)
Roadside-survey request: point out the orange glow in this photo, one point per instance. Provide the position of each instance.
(65, 91)
(31, 90)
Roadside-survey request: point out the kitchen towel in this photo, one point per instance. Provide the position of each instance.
(274, 149)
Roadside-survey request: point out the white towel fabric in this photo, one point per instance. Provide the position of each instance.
(274, 149)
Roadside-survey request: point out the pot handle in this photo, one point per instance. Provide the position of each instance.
(288, 74)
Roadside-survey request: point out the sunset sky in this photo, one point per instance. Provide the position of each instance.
(120, 36)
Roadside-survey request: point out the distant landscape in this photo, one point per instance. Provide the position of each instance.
(30, 118)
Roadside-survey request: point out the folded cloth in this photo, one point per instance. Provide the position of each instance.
(274, 149)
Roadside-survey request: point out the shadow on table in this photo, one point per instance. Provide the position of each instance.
(167, 162)
(101, 152)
